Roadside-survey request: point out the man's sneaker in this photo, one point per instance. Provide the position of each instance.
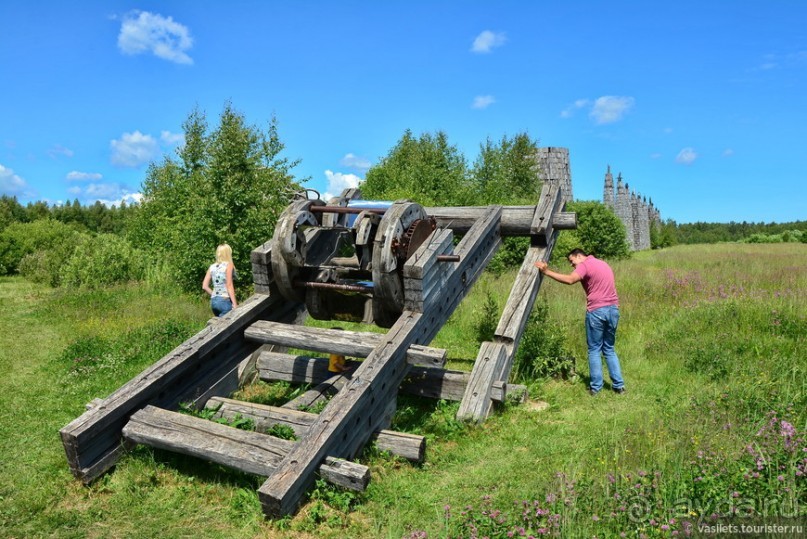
(592, 392)
(619, 391)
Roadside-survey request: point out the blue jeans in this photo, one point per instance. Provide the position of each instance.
(220, 305)
(600, 336)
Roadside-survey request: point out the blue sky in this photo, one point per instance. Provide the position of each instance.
(702, 106)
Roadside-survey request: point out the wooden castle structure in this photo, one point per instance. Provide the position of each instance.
(394, 264)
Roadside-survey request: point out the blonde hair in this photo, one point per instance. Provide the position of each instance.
(224, 253)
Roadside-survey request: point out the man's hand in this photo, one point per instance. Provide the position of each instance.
(541, 265)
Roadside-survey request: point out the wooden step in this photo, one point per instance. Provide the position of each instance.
(334, 341)
(242, 450)
(409, 446)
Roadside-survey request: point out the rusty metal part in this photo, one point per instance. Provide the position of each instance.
(413, 238)
(448, 258)
(333, 286)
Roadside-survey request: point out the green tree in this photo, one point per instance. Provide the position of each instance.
(227, 186)
(427, 170)
(599, 232)
(507, 172)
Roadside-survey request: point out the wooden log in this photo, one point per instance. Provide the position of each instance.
(516, 220)
(92, 441)
(246, 451)
(549, 203)
(353, 411)
(488, 368)
(333, 341)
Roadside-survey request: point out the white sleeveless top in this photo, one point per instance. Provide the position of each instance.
(218, 276)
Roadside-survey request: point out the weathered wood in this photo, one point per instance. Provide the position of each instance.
(522, 296)
(488, 368)
(549, 203)
(477, 402)
(425, 257)
(92, 440)
(353, 409)
(333, 341)
(246, 451)
(320, 393)
(516, 220)
(435, 383)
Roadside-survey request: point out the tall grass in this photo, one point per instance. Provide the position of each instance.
(711, 342)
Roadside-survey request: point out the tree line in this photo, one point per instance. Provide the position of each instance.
(230, 182)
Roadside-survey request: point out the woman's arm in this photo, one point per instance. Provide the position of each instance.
(230, 287)
(206, 283)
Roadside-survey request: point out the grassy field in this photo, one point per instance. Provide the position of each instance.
(712, 343)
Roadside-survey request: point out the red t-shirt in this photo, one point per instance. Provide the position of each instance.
(597, 279)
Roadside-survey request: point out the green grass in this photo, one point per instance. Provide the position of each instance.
(711, 341)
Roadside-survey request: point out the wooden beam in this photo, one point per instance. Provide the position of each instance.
(334, 341)
(550, 203)
(409, 446)
(242, 450)
(516, 220)
(435, 383)
(92, 441)
(488, 368)
(352, 415)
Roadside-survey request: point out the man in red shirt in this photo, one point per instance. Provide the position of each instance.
(602, 314)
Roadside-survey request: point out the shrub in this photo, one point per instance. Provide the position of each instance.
(486, 324)
(21, 239)
(542, 351)
(103, 260)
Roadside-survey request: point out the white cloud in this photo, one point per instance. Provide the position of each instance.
(655, 155)
(338, 182)
(728, 152)
(483, 101)
(686, 156)
(610, 108)
(13, 185)
(172, 139)
(143, 32)
(58, 151)
(487, 41)
(354, 161)
(133, 149)
(76, 176)
(109, 194)
(569, 111)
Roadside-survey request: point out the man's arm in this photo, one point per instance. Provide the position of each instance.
(565, 278)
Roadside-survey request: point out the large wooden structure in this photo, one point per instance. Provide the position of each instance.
(394, 264)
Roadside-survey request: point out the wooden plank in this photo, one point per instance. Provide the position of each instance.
(549, 203)
(242, 450)
(353, 411)
(516, 220)
(522, 296)
(476, 402)
(436, 383)
(333, 341)
(92, 440)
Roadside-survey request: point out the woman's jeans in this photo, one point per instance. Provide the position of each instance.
(600, 335)
(220, 305)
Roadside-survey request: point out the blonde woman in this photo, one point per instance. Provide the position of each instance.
(222, 295)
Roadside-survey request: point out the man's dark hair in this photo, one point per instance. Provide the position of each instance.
(576, 251)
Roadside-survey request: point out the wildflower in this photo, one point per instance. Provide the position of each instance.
(595, 518)
(781, 478)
